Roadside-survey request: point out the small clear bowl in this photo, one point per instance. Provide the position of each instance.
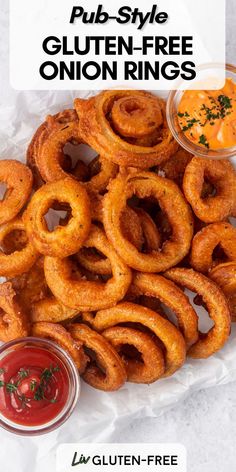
(73, 379)
(205, 72)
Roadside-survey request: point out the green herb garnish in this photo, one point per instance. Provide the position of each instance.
(38, 389)
(39, 394)
(33, 384)
(203, 140)
(225, 102)
(45, 378)
(190, 123)
(209, 113)
(23, 373)
(181, 115)
(219, 109)
(11, 388)
(54, 400)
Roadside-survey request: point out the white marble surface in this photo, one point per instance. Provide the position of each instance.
(206, 422)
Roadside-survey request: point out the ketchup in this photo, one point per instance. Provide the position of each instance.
(34, 386)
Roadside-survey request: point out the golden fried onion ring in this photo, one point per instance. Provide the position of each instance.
(151, 234)
(85, 295)
(33, 292)
(47, 158)
(167, 292)
(222, 175)
(63, 240)
(109, 120)
(131, 227)
(112, 374)
(175, 348)
(175, 167)
(13, 320)
(31, 154)
(216, 304)
(152, 365)
(171, 200)
(31, 286)
(136, 226)
(45, 154)
(224, 275)
(52, 310)
(18, 179)
(206, 240)
(101, 172)
(18, 261)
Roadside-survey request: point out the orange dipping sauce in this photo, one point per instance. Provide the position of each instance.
(208, 118)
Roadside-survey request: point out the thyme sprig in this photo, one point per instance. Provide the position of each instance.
(39, 389)
(45, 378)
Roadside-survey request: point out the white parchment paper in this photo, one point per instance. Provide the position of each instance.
(98, 414)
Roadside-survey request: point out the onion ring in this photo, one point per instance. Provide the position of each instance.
(131, 227)
(221, 173)
(96, 206)
(18, 179)
(47, 148)
(13, 320)
(149, 302)
(51, 310)
(224, 275)
(134, 296)
(175, 348)
(151, 234)
(16, 239)
(52, 123)
(175, 167)
(31, 153)
(19, 261)
(216, 304)
(167, 292)
(109, 120)
(33, 291)
(64, 240)
(94, 262)
(85, 295)
(144, 184)
(101, 171)
(61, 336)
(112, 374)
(152, 366)
(31, 286)
(206, 240)
(48, 161)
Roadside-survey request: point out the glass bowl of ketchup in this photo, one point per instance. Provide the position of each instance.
(203, 121)
(39, 386)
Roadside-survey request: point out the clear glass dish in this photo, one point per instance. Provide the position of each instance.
(173, 122)
(73, 382)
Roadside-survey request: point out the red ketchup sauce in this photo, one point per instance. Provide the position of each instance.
(34, 386)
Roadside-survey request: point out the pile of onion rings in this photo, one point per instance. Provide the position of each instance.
(98, 254)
